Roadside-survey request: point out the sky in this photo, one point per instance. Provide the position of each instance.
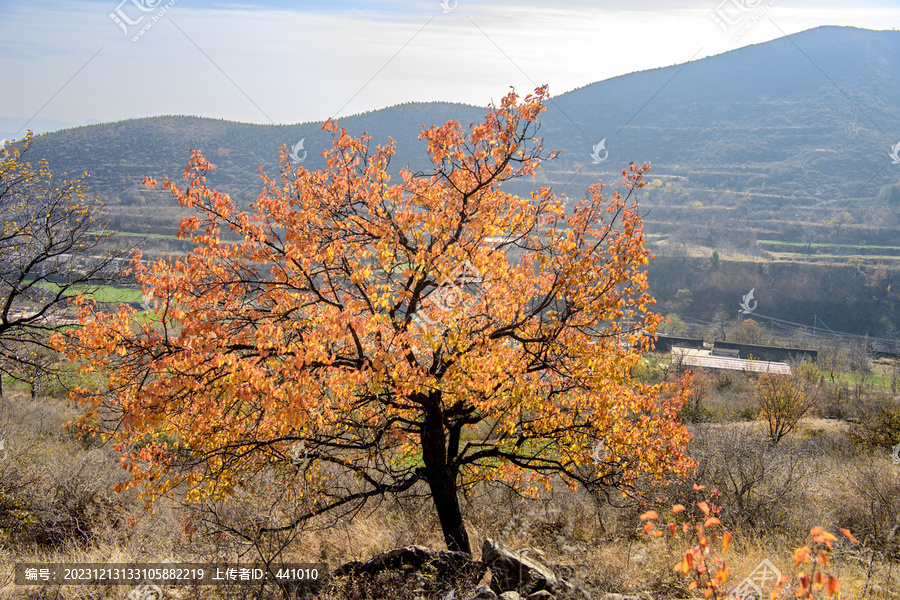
(65, 62)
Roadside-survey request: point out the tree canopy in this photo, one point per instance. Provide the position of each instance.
(51, 247)
(430, 333)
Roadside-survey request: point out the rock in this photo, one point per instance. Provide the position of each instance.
(482, 593)
(510, 596)
(512, 570)
(541, 595)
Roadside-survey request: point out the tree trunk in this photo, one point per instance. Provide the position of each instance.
(441, 477)
(446, 503)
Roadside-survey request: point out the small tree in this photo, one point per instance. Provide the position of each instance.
(783, 400)
(50, 248)
(749, 332)
(385, 331)
(673, 325)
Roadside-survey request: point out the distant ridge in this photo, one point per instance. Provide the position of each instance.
(778, 130)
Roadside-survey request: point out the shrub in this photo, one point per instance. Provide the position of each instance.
(673, 325)
(758, 482)
(835, 402)
(724, 380)
(16, 513)
(783, 400)
(749, 332)
(869, 504)
(703, 567)
(693, 410)
(878, 423)
(71, 507)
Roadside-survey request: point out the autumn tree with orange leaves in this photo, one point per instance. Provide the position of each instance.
(424, 334)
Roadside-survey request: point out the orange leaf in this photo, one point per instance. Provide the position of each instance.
(801, 555)
(832, 586)
(677, 509)
(726, 541)
(712, 521)
(704, 507)
(849, 535)
(650, 514)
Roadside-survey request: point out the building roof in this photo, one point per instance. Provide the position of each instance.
(704, 359)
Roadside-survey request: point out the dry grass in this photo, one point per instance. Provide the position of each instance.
(814, 476)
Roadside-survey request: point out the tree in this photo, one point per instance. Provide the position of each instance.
(384, 333)
(673, 325)
(783, 400)
(749, 332)
(50, 249)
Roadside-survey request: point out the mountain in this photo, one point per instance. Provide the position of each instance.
(790, 137)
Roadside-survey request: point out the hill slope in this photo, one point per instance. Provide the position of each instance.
(796, 130)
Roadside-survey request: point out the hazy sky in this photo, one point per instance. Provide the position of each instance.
(287, 62)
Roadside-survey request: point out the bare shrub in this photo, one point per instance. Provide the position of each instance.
(859, 359)
(73, 506)
(759, 483)
(833, 360)
(694, 409)
(836, 402)
(869, 505)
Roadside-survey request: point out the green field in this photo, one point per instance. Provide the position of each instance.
(101, 293)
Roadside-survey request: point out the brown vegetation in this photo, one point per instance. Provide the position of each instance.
(57, 506)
